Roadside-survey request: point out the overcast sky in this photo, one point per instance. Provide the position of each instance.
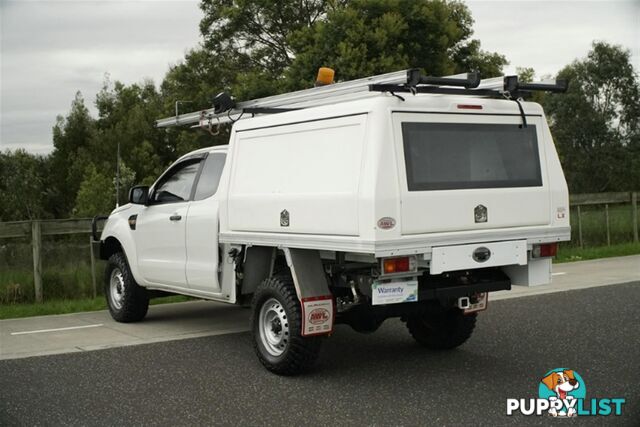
(51, 49)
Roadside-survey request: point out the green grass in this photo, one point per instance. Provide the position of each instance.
(594, 229)
(571, 253)
(64, 282)
(12, 311)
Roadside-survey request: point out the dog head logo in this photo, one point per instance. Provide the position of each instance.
(561, 382)
(562, 387)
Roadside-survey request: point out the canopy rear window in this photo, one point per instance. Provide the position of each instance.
(447, 156)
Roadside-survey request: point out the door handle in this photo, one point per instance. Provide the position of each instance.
(175, 217)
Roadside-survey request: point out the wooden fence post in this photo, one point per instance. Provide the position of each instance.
(634, 215)
(606, 217)
(36, 244)
(93, 268)
(580, 227)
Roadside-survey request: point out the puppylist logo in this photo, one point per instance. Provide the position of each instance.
(562, 393)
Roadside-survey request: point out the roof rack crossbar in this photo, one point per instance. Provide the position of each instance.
(467, 80)
(436, 90)
(512, 85)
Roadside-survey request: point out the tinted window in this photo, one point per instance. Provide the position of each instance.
(444, 156)
(210, 176)
(176, 186)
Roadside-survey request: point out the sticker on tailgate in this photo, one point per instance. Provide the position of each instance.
(394, 292)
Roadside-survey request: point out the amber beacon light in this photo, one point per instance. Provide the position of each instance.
(325, 76)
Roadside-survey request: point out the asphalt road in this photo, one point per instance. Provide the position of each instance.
(378, 379)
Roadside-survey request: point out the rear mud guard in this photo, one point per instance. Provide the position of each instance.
(312, 289)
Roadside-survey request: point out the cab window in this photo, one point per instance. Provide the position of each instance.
(210, 176)
(177, 184)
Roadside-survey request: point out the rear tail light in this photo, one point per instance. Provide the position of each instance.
(399, 265)
(546, 250)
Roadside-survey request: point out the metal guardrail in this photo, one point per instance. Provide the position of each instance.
(38, 228)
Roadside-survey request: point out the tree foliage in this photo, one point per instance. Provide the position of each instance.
(596, 124)
(368, 37)
(96, 194)
(22, 186)
(270, 46)
(71, 138)
(255, 34)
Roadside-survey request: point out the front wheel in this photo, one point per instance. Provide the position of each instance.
(277, 325)
(127, 301)
(442, 329)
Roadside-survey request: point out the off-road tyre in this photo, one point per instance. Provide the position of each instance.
(132, 303)
(298, 353)
(441, 329)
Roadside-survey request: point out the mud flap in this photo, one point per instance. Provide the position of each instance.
(318, 313)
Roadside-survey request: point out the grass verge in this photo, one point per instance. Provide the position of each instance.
(13, 311)
(570, 253)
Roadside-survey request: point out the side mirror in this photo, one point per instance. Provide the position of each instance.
(139, 195)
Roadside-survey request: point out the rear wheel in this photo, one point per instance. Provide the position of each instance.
(442, 329)
(277, 325)
(127, 301)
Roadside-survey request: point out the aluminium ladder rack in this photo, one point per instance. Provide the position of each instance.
(300, 99)
(226, 111)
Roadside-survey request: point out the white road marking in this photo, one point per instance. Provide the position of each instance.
(559, 273)
(57, 329)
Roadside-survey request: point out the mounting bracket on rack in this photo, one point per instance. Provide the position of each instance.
(517, 89)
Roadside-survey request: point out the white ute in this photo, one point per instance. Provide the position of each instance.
(398, 195)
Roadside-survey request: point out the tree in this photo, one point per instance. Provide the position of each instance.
(96, 194)
(22, 188)
(596, 124)
(263, 47)
(368, 37)
(126, 116)
(127, 180)
(255, 34)
(71, 136)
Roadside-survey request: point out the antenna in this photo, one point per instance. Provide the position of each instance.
(118, 176)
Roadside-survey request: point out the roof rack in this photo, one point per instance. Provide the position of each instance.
(225, 110)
